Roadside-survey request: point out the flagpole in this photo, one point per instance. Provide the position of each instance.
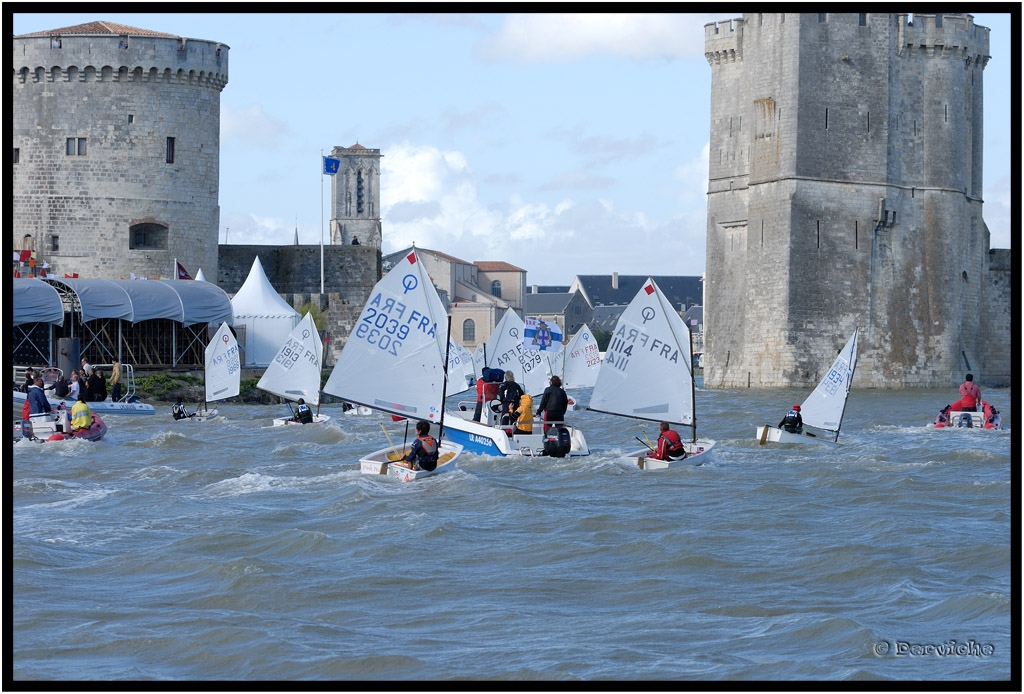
(321, 220)
(175, 273)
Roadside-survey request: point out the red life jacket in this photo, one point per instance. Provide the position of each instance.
(674, 445)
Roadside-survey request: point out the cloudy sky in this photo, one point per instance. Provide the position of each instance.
(563, 144)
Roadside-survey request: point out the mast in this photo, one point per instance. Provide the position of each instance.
(444, 383)
(693, 385)
(849, 382)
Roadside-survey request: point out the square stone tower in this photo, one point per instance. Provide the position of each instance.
(355, 197)
(845, 192)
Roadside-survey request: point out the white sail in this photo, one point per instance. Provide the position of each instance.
(295, 371)
(823, 408)
(223, 368)
(582, 360)
(460, 369)
(646, 373)
(394, 358)
(478, 360)
(505, 351)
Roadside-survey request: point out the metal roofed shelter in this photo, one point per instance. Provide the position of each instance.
(150, 323)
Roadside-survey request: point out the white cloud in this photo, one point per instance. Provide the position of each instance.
(251, 125)
(533, 38)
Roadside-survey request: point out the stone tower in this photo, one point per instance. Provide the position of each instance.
(845, 191)
(117, 149)
(355, 197)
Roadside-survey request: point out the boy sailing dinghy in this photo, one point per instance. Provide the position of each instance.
(822, 411)
(223, 371)
(295, 371)
(395, 361)
(647, 373)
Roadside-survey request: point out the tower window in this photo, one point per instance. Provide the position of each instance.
(821, 16)
(147, 236)
(496, 288)
(862, 19)
(75, 146)
(131, 118)
(54, 243)
(170, 150)
(468, 330)
(359, 192)
(17, 154)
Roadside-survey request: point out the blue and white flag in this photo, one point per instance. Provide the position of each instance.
(542, 336)
(331, 166)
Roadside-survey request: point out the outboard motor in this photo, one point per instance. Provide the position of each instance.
(966, 421)
(557, 442)
(26, 429)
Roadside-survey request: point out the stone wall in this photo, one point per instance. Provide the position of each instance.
(117, 106)
(843, 193)
(350, 272)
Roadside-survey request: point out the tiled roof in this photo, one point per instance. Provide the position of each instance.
(101, 28)
(497, 266)
(547, 303)
(680, 290)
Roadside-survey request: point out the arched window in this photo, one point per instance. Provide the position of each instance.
(496, 288)
(468, 330)
(147, 236)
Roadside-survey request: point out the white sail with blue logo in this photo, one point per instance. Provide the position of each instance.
(581, 360)
(394, 360)
(647, 373)
(223, 372)
(822, 411)
(295, 371)
(506, 351)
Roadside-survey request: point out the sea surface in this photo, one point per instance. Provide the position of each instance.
(231, 550)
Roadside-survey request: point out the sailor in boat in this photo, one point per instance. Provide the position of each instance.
(36, 399)
(970, 396)
(670, 446)
(180, 412)
(302, 413)
(423, 455)
(509, 394)
(553, 403)
(793, 422)
(524, 425)
(81, 416)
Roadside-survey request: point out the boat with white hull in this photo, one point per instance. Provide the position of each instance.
(822, 411)
(396, 361)
(647, 374)
(295, 371)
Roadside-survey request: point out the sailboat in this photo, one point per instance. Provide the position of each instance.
(581, 360)
(647, 374)
(823, 409)
(295, 371)
(531, 368)
(395, 361)
(223, 371)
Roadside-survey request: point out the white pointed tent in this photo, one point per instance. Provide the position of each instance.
(267, 319)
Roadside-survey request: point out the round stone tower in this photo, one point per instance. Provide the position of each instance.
(117, 150)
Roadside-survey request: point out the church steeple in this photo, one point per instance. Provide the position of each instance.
(355, 197)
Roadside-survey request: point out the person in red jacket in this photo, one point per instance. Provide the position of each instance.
(970, 396)
(670, 446)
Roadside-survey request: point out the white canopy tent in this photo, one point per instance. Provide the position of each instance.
(261, 317)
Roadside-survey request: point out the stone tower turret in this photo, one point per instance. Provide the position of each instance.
(844, 192)
(117, 149)
(355, 197)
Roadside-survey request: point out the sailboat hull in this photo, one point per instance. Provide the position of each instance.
(286, 421)
(482, 439)
(695, 455)
(766, 433)
(384, 462)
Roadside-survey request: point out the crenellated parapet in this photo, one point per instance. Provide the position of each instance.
(723, 41)
(943, 36)
(163, 58)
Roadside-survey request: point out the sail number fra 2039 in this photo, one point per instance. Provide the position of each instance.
(385, 324)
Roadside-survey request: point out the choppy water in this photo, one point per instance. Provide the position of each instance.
(234, 551)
